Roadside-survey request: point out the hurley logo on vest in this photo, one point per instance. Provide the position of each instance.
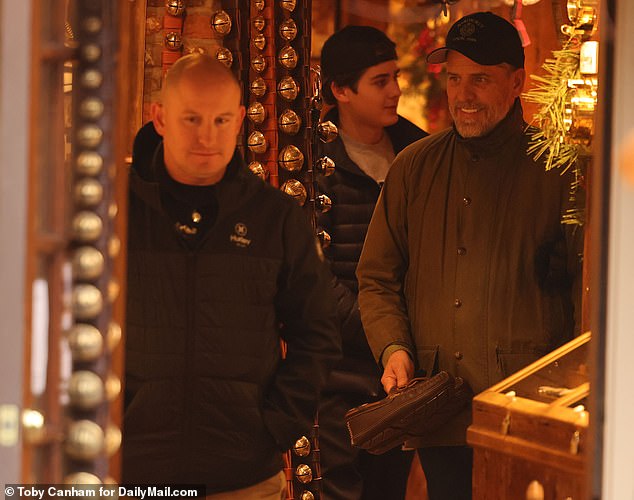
(239, 235)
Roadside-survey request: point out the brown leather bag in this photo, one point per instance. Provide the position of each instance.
(419, 408)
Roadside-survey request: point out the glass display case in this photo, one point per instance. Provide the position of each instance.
(529, 432)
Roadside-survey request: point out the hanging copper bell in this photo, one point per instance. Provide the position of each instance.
(327, 131)
(85, 440)
(221, 23)
(258, 63)
(288, 57)
(87, 263)
(287, 88)
(291, 158)
(325, 166)
(173, 40)
(259, 41)
(175, 7)
(288, 30)
(256, 112)
(257, 142)
(85, 342)
(258, 169)
(304, 473)
(302, 447)
(324, 238)
(258, 87)
(290, 122)
(225, 56)
(258, 23)
(296, 190)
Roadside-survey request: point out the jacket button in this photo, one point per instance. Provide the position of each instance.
(462, 251)
(458, 355)
(466, 201)
(457, 303)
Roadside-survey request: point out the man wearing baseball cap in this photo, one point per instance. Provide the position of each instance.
(360, 71)
(467, 266)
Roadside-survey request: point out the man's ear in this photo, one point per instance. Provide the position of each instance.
(241, 115)
(340, 92)
(158, 117)
(519, 78)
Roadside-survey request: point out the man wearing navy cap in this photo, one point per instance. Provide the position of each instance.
(467, 266)
(360, 75)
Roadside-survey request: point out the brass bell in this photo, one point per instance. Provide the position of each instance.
(256, 112)
(89, 136)
(257, 142)
(113, 387)
(85, 342)
(324, 238)
(85, 440)
(81, 478)
(112, 439)
(87, 263)
(258, 23)
(175, 7)
(85, 390)
(325, 166)
(114, 246)
(33, 426)
(323, 203)
(91, 79)
(91, 108)
(113, 337)
(87, 301)
(259, 41)
(307, 495)
(113, 210)
(258, 87)
(173, 40)
(288, 88)
(92, 25)
(296, 190)
(304, 474)
(86, 227)
(288, 5)
(327, 131)
(113, 290)
(291, 158)
(225, 56)
(221, 23)
(88, 163)
(90, 52)
(258, 169)
(88, 192)
(288, 57)
(259, 5)
(258, 63)
(288, 30)
(302, 447)
(290, 122)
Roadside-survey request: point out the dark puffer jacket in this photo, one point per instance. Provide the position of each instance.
(208, 398)
(354, 195)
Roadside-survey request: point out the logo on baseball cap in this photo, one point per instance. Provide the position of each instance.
(485, 38)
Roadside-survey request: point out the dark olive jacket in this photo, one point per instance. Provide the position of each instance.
(208, 398)
(466, 262)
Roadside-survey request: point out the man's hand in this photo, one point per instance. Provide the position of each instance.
(399, 370)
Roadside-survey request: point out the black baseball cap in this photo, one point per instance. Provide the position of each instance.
(485, 38)
(354, 48)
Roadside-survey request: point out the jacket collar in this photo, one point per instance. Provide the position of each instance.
(237, 185)
(401, 134)
(510, 128)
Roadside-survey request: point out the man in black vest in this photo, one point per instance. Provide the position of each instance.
(360, 79)
(221, 267)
